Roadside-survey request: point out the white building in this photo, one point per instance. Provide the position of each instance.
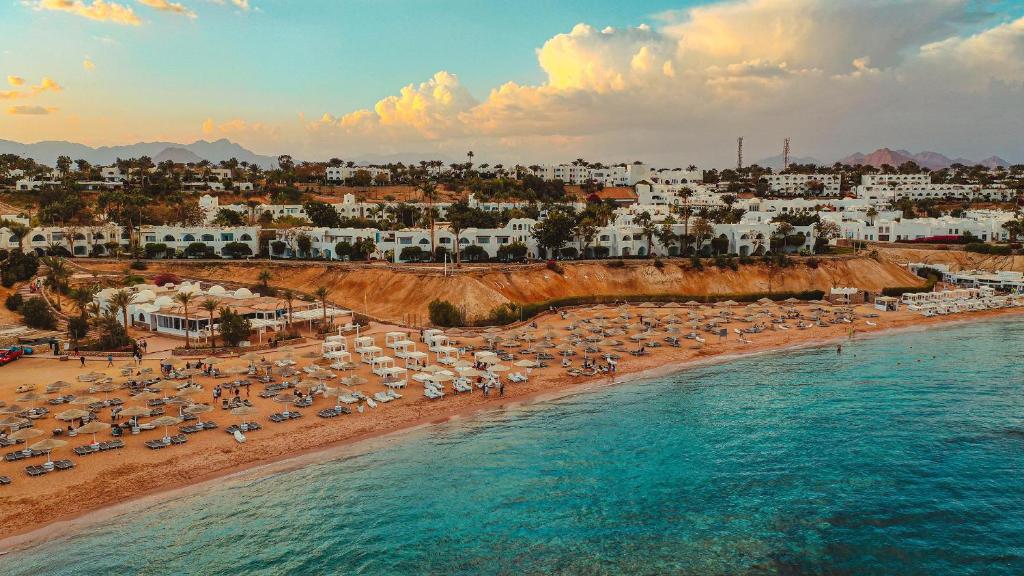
(895, 179)
(179, 238)
(338, 174)
(804, 184)
(882, 193)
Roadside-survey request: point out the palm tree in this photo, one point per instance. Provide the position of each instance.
(289, 297)
(119, 301)
(57, 275)
(83, 296)
(184, 298)
(265, 277)
(321, 294)
(429, 192)
(211, 305)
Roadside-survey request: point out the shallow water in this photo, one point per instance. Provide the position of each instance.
(902, 455)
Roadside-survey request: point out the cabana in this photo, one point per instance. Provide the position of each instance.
(427, 335)
(394, 377)
(381, 363)
(416, 360)
(439, 341)
(447, 355)
(367, 354)
(391, 338)
(403, 348)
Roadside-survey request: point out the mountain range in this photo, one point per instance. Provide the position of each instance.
(930, 160)
(46, 152)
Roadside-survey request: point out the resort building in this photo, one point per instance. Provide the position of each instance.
(891, 180)
(215, 238)
(155, 308)
(804, 184)
(339, 174)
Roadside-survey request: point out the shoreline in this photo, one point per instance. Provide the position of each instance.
(359, 443)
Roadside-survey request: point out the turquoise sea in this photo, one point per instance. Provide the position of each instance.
(902, 455)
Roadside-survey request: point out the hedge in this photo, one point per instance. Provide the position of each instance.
(898, 291)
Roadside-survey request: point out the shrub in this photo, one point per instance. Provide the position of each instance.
(474, 253)
(166, 278)
(812, 263)
(138, 265)
(602, 252)
(133, 279)
(18, 267)
(112, 335)
(512, 252)
(277, 246)
(616, 264)
(37, 314)
(13, 302)
(929, 273)
(505, 314)
(153, 250)
(720, 262)
(199, 250)
(410, 253)
(78, 327)
(554, 267)
(234, 328)
(983, 248)
(746, 260)
(569, 252)
(695, 263)
(658, 263)
(444, 313)
(236, 250)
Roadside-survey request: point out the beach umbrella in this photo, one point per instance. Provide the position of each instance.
(85, 400)
(243, 411)
(48, 445)
(106, 387)
(29, 397)
(441, 377)
(166, 422)
(73, 414)
(25, 434)
(198, 409)
(12, 421)
(58, 385)
(462, 363)
(497, 368)
(525, 363)
(287, 398)
(93, 428)
(469, 372)
(146, 395)
(354, 380)
(211, 360)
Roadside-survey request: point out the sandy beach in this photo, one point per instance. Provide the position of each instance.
(37, 508)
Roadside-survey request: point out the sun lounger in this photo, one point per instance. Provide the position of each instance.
(86, 450)
(63, 464)
(179, 439)
(328, 413)
(155, 444)
(5, 480)
(382, 397)
(35, 470)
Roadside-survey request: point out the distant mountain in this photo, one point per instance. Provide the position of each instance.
(47, 152)
(177, 155)
(927, 159)
(775, 162)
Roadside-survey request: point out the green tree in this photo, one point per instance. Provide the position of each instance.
(185, 299)
(321, 295)
(210, 305)
(555, 231)
(321, 214)
(234, 328)
(120, 301)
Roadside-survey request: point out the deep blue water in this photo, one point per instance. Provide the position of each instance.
(903, 455)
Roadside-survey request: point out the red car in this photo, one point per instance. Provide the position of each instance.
(10, 355)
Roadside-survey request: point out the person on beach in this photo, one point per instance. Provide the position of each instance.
(110, 360)
(501, 388)
(82, 360)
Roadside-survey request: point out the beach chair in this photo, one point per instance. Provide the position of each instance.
(5, 480)
(63, 464)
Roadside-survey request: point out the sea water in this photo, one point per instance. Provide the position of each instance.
(900, 455)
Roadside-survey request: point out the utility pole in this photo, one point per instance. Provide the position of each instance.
(785, 153)
(739, 153)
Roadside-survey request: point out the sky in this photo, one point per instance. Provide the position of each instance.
(671, 82)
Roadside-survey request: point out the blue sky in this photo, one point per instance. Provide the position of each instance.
(319, 78)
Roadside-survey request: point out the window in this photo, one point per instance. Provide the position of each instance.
(39, 238)
(246, 238)
(444, 240)
(188, 238)
(168, 238)
(227, 237)
(483, 239)
(150, 238)
(207, 237)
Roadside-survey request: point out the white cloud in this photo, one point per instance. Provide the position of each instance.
(15, 80)
(29, 110)
(167, 6)
(88, 65)
(99, 10)
(834, 75)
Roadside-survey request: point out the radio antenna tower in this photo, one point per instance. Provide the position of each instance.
(785, 153)
(739, 153)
